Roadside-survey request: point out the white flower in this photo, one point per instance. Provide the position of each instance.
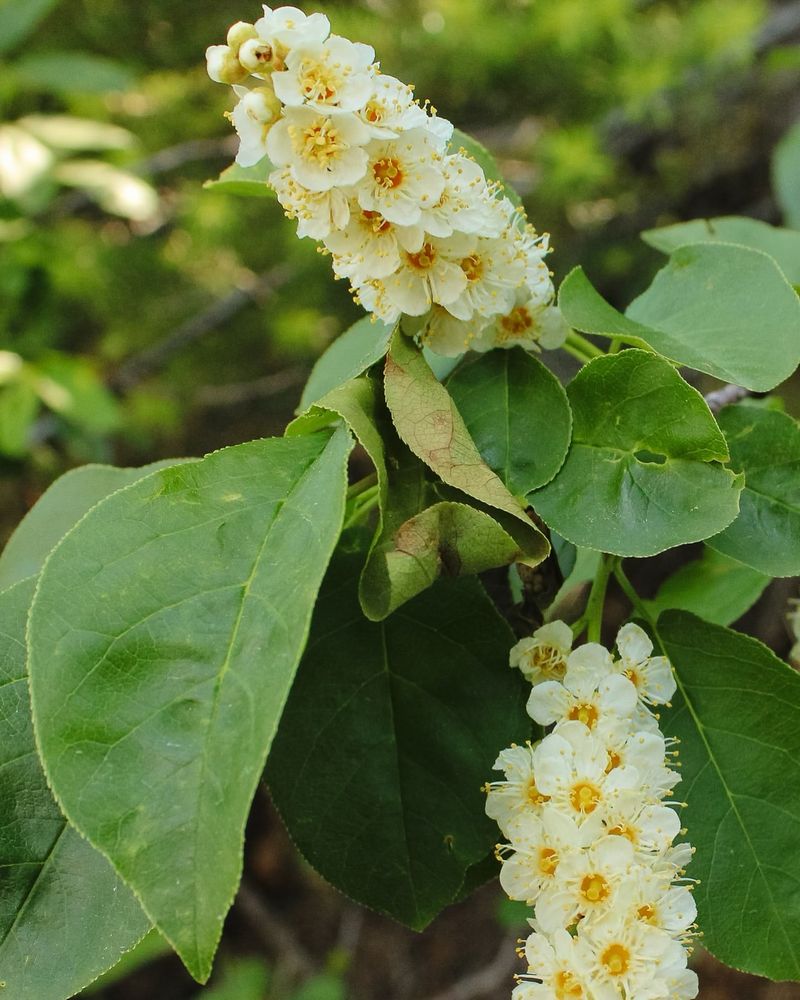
(466, 204)
(543, 657)
(632, 956)
(651, 899)
(586, 883)
(652, 676)
(391, 108)
(318, 213)
(253, 118)
(589, 692)
(494, 272)
(531, 324)
(562, 963)
(451, 337)
(324, 151)
(335, 74)
(573, 774)
(431, 275)
(650, 828)
(370, 246)
(538, 846)
(402, 178)
(223, 65)
(511, 801)
(286, 28)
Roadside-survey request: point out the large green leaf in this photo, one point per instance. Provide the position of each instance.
(786, 176)
(68, 72)
(57, 510)
(65, 916)
(783, 245)
(389, 731)
(721, 309)
(765, 446)
(516, 412)
(164, 637)
(642, 474)
(736, 715)
(366, 342)
(427, 420)
(250, 182)
(20, 19)
(714, 587)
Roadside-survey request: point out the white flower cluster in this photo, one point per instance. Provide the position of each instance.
(415, 228)
(590, 834)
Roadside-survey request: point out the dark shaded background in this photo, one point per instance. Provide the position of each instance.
(154, 318)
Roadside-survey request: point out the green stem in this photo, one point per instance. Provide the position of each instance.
(629, 591)
(583, 358)
(597, 597)
(367, 483)
(361, 507)
(580, 343)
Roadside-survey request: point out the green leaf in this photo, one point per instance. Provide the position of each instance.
(68, 72)
(149, 949)
(72, 388)
(57, 510)
(243, 979)
(249, 182)
(783, 245)
(736, 717)
(19, 407)
(714, 587)
(482, 156)
(358, 348)
(516, 412)
(720, 309)
(765, 446)
(387, 736)
(322, 987)
(65, 916)
(647, 445)
(427, 420)
(786, 176)
(19, 20)
(164, 637)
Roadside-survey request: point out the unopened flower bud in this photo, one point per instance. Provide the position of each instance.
(223, 65)
(263, 105)
(256, 56)
(240, 33)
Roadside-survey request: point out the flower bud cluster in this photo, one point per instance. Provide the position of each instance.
(590, 833)
(363, 167)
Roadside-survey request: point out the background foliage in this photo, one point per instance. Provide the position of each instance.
(144, 316)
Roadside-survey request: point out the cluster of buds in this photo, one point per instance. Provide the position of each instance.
(590, 833)
(363, 167)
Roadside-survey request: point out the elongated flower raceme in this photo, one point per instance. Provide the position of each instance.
(590, 833)
(410, 222)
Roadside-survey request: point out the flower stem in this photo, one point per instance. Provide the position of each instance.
(629, 591)
(580, 343)
(597, 597)
(362, 485)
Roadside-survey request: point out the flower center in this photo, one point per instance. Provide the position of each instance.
(617, 959)
(647, 913)
(548, 861)
(317, 81)
(566, 985)
(623, 830)
(424, 260)
(387, 173)
(584, 797)
(374, 112)
(376, 222)
(595, 889)
(549, 660)
(320, 142)
(534, 796)
(518, 322)
(473, 268)
(586, 713)
(634, 677)
(614, 760)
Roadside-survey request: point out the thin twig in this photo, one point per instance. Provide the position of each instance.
(155, 357)
(236, 393)
(725, 396)
(276, 936)
(485, 980)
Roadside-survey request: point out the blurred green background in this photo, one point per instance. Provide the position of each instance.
(142, 316)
